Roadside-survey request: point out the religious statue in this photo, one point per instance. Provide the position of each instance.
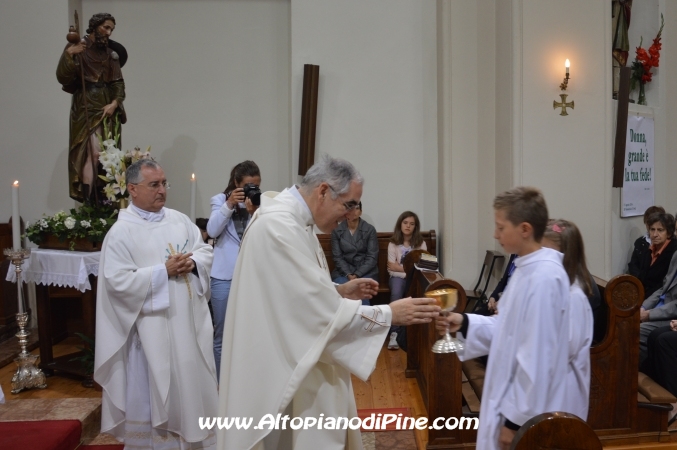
(89, 69)
(620, 10)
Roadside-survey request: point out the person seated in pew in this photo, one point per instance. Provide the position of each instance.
(661, 361)
(564, 236)
(406, 237)
(354, 247)
(658, 309)
(642, 244)
(527, 372)
(655, 261)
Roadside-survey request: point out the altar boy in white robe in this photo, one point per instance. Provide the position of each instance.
(292, 337)
(154, 355)
(528, 339)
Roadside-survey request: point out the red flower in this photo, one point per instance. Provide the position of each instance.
(645, 61)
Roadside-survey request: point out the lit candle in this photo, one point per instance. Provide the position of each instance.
(192, 198)
(566, 64)
(16, 219)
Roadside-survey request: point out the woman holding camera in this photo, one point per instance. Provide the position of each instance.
(230, 215)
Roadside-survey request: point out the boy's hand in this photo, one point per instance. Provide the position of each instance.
(451, 322)
(492, 305)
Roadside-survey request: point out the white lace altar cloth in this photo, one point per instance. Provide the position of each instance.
(59, 268)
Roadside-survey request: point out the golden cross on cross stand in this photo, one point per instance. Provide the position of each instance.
(563, 104)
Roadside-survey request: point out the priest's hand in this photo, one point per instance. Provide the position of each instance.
(179, 264)
(505, 438)
(643, 315)
(450, 322)
(410, 311)
(673, 325)
(358, 288)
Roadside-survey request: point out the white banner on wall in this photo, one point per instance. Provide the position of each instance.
(638, 169)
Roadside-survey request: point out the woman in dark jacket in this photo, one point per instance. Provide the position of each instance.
(354, 248)
(654, 261)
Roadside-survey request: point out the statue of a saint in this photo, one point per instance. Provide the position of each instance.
(90, 70)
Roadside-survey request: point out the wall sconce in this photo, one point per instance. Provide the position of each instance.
(563, 86)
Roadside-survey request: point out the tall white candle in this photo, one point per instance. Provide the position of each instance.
(192, 197)
(16, 218)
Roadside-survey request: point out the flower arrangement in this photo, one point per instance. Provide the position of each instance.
(89, 222)
(115, 163)
(644, 62)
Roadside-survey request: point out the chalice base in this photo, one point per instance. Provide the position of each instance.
(27, 376)
(447, 345)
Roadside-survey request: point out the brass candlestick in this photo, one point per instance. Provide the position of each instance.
(27, 376)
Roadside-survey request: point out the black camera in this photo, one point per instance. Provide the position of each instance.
(253, 193)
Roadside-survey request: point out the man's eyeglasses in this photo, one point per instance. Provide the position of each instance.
(349, 206)
(154, 186)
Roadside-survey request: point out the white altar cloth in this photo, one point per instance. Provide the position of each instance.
(59, 268)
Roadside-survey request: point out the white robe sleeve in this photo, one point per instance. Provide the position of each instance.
(478, 337)
(357, 346)
(157, 297)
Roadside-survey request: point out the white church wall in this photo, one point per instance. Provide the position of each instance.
(207, 87)
(567, 157)
(668, 82)
(34, 112)
(377, 98)
(467, 143)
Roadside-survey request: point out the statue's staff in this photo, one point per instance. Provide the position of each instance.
(74, 38)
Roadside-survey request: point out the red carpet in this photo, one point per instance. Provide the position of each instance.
(376, 416)
(41, 435)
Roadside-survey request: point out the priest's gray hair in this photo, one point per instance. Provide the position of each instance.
(337, 173)
(133, 173)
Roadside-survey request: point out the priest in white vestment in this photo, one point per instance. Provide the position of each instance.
(154, 356)
(292, 338)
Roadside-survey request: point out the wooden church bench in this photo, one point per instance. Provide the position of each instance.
(383, 297)
(556, 430)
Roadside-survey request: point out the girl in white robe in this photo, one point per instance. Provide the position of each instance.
(564, 236)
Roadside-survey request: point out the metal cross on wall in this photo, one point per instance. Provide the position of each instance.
(563, 104)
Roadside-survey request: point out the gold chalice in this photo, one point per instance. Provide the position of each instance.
(447, 299)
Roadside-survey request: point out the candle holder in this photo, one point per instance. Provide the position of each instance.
(27, 375)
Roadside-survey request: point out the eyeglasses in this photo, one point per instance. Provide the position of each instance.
(349, 206)
(154, 186)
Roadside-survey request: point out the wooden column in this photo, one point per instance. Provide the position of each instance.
(311, 81)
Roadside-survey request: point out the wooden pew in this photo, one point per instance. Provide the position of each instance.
(623, 411)
(383, 297)
(556, 430)
(626, 407)
(439, 376)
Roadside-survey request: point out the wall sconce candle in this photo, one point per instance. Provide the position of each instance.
(563, 86)
(565, 83)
